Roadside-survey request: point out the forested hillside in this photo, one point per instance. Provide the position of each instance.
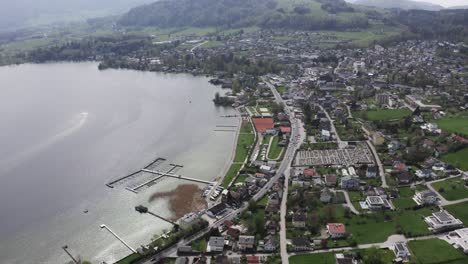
(296, 14)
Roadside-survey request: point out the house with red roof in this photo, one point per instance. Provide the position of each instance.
(336, 230)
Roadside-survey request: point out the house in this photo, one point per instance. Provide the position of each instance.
(215, 244)
(425, 174)
(349, 182)
(270, 245)
(427, 197)
(254, 260)
(459, 239)
(377, 203)
(326, 196)
(233, 232)
(442, 221)
(246, 243)
(299, 219)
(371, 172)
(188, 220)
(401, 250)
(345, 259)
(403, 177)
(300, 244)
(336, 230)
(330, 180)
(216, 210)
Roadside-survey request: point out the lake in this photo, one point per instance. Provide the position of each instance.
(67, 129)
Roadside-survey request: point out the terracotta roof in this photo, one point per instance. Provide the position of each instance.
(285, 129)
(309, 172)
(336, 229)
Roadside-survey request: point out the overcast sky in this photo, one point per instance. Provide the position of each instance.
(447, 3)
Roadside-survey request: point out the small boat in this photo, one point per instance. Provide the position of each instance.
(85, 211)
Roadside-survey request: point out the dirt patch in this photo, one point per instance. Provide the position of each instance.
(184, 199)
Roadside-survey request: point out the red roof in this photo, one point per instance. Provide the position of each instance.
(253, 259)
(285, 129)
(262, 124)
(336, 229)
(400, 166)
(309, 172)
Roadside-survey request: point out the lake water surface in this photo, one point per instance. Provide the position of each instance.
(68, 128)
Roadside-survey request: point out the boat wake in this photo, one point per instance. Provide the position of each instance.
(76, 123)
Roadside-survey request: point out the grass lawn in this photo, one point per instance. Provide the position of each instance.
(244, 142)
(405, 200)
(453, 189)
(434, 251)
(232, 172)
(458, 159)
(282, 89)
(383, 114)
(322, 258)
(275, 150)
(212, 44)
(460, 211)
(199, 245)
(456, 124)
(129, 259)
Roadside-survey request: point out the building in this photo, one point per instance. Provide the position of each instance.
(459, 239)
(299, 219)
(345, 259)
(336, 230)
(401, 250)
(442, 221)
(215, 244)
(384, 99)
(188, 220)
(371, 172)
(270, 245)
(427, 197)
(246, 243)
(300, 244)
(349, 182)
(377, 203)
(325, 196)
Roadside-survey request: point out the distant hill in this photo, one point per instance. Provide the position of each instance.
(400, 4)
(296, 14)
(23, 13)
(459, 7)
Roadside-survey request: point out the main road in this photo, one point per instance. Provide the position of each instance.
(297, 136)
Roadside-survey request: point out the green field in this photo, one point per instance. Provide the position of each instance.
(458, 159)
(232, 172)
(455, 124)
(322, 258)
(460, 211)
(244, 143)
(275, 150)
(453, 189)
(129, 259)
(434, 251)
(405, 200)
(212, 44)
(383, 114)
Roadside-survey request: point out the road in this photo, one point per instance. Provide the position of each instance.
(376, 157)
(332, 123)
(196, 46)
(297, 137)
(443, 201)
(348, 202)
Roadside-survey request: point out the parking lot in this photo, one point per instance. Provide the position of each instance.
(345, 157)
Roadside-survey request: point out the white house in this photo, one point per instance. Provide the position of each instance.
(246, 243)
(459, 239)
(401, 250)
(427, 197)
(377, 203)
(441, 221)
(215, 244)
